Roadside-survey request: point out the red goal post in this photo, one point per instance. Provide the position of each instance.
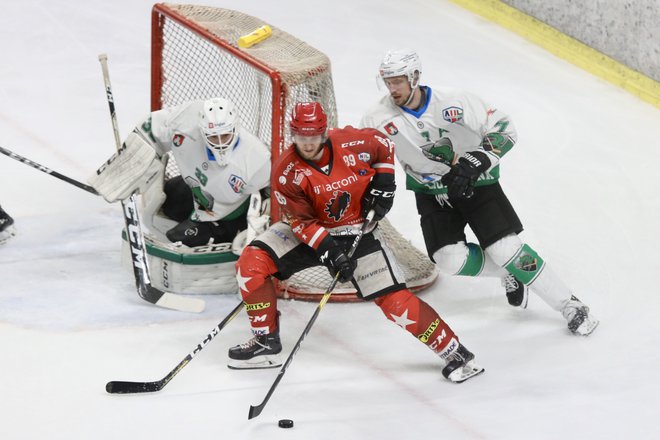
(195, 55)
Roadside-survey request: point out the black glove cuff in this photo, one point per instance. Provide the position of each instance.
(383, 181)
(326, 245)
(477, 160)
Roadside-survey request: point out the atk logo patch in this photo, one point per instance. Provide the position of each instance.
(452, 114)
(178, 139)
(236, 183)
(391, 129)
(337, 205)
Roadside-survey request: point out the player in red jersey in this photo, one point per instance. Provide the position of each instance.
(325, 184)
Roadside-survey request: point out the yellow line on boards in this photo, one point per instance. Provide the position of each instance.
(566, 47)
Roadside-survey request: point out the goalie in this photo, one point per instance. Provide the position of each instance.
(217, 204)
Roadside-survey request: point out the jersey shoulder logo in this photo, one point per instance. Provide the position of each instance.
(452, 114)
(237, 183)
(178, 139)
(337, 205)
(391, 129)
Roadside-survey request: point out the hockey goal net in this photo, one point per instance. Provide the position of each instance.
(195, 55)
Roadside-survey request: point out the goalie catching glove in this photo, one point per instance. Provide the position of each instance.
(379, 196)
(463, 175)
(336, 260)
(131, 169)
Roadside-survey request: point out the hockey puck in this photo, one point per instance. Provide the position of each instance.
(285, 423)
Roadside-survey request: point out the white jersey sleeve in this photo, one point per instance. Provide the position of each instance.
(429, 140)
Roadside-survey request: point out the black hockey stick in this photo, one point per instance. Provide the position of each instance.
(42, 168)
(134, 232)
(122, 387)
(256, 410)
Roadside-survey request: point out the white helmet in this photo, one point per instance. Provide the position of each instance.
(401, 62)
(217, 119)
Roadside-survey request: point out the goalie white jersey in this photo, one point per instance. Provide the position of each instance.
(431, 139)
(220, 192)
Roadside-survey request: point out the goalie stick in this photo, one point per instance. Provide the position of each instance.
(134, 232)
(256, 410)
(124, 387)
(46, 170)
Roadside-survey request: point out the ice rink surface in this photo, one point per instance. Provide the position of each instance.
(582, 178)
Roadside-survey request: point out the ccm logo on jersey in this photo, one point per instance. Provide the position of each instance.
(352, 143)
(452, 114)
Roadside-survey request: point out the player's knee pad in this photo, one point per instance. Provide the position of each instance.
(516, 257)
(253, 268)
(460, 259)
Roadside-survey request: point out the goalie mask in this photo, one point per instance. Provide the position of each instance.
(218, 122)
(402, 62)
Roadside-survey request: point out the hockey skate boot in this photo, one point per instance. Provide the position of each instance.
(516, 291)
(259, 352)
(6, 226)
(580, 322)
(460, 365)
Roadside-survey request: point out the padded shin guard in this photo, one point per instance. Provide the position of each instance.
(253, 271)
(417, 317)
(460, 259)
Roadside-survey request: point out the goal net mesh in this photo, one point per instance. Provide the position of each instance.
(195, 55)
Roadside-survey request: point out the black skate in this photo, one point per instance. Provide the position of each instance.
(6, 226)
(580, 322)
(460, 365)
(516, 291)
(259, 352)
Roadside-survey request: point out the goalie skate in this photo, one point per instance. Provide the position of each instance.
(461, 365)
(580, 322)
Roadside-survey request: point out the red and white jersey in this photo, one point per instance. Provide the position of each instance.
(316, 200)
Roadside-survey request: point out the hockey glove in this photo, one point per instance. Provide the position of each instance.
(379, 196)
(334, 258)
(463, 175)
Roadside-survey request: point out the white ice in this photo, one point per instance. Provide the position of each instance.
(582, 179)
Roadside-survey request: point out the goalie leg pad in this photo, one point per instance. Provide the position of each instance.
(418, 318)
(253, 273)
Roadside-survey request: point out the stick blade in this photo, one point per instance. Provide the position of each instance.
(255, 411)
(171, 300)
(123, 387)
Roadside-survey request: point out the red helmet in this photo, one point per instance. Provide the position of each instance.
(308, 119)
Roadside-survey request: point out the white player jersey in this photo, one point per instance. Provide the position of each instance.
(449, 124)
(221, 192)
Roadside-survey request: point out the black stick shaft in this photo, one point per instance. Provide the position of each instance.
(46, 170)
(256, 410)
(124, 387)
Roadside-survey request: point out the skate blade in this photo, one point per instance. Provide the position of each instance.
(587, 327)
(259, 363)
(464, 373)
(7, 234)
